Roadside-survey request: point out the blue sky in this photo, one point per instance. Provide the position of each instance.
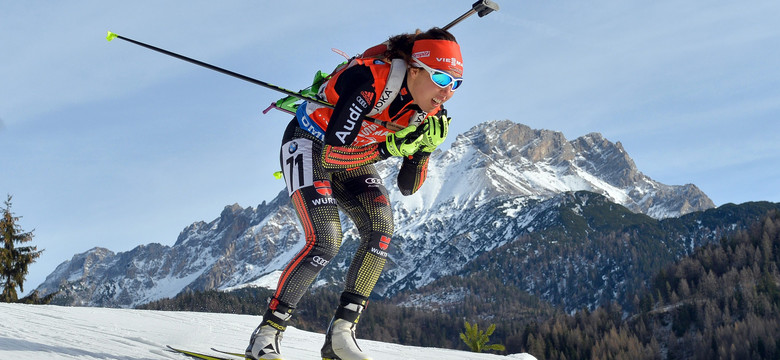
(113, 145)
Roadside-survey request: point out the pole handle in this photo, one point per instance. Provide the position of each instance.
(481, 8)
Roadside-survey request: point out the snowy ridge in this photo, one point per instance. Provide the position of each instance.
(227, 252)
(487, 189)
(504, 158)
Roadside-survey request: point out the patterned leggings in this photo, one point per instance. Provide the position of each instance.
(317, 194)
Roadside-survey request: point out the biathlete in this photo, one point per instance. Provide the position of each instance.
(327, 158)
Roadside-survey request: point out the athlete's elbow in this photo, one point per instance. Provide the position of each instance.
(406, 191)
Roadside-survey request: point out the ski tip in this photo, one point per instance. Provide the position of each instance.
(111, 36)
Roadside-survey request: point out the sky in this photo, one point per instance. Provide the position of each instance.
(110, 144)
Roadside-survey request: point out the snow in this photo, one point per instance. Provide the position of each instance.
(164, 286)
(38, 332)
(268, 281)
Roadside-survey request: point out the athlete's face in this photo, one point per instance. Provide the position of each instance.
(427, 95)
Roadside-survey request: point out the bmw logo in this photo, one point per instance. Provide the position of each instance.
(293, 147)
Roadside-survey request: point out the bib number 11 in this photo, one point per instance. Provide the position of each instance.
(297, 164)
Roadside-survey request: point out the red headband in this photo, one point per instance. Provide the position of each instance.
(439, 54)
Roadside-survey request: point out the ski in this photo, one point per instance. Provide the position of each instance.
(240, 355)
(228, 352)
(196, 355)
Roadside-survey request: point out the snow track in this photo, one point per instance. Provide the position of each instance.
(44, 332)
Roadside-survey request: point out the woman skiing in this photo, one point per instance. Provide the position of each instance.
(327, 158)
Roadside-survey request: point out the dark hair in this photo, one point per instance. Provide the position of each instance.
(400, 46)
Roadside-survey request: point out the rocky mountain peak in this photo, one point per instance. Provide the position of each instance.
(506, 139)
(609, 160)
(503, 157)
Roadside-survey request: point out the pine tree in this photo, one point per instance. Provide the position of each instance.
(477, 340)
(14, 261)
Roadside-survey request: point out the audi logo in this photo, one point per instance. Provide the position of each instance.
(318, 260)
(374, 181)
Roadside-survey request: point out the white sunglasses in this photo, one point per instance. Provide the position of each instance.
(440, 78)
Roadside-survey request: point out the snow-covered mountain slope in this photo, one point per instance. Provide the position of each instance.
(501, 158)
(42, 332)
(223, 253)
(487, 189)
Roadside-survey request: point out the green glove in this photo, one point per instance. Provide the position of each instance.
(400, 143)
(434, 132)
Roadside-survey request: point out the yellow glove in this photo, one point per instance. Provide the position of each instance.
(434, 132)
(400, 143)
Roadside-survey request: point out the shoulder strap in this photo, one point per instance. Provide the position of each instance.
(418, 118)
(393, 86)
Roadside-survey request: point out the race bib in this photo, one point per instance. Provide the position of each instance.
(297, 164)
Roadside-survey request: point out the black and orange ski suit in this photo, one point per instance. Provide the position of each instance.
(325, 170)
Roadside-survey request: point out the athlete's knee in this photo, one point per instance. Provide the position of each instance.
(319, 254)
(326, 250)
(382, 220)
(328, 238)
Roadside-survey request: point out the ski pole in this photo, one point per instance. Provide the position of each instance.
(481, 7)
(112, 36)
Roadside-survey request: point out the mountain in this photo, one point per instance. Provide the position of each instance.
(498, 184)
(584, 252)
(722, 301)
(206, 255)
(502, 158)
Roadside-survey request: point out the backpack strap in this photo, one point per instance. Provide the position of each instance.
(393, 86)
(418, 118)
(395, 81)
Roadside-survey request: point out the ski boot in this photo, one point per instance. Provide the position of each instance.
(340, 341)
(264, 343)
